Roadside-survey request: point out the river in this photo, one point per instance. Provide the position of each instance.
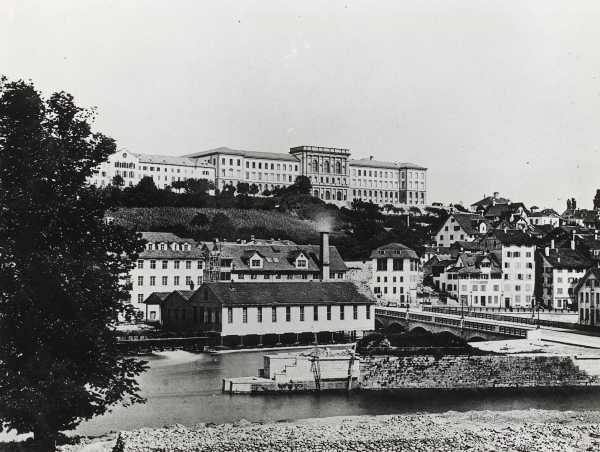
(185, 388)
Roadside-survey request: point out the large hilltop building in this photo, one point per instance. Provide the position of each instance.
(335, 177)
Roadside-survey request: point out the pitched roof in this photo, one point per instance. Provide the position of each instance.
(513, 237)
(244, 153)
(394, 250)
(545, 213)
(409, 165)
(169, 160)
(487, 201)
(503, 210)
(373, 163)
(287, 293)
(595, 271)
(165, 237)
(469, 222)
(280, 257)
(471, 263)
(567, 258)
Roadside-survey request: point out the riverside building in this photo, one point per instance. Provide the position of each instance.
(244, 313)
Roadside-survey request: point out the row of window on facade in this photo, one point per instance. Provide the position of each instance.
(327, 167)
(329, 196)
(384, 174)
(259, 165)
(165, 263)
(397, 265)
(301, 313)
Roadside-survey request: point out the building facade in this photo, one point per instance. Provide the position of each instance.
(243, 309)
(461, 227)
(396, 274)
(164, 170)
(587, 294)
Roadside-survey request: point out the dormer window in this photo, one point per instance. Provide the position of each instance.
(163, 247)
(255, 263)
(301, 263)
(150, 246)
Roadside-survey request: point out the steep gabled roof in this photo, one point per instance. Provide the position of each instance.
(471, 263)
(488, 200)
(512, 237)
(595, 271)
(287, 293)
(566, 258)
(469, 222)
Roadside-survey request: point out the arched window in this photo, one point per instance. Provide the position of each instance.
(338, 167)
(339, 195)
(327, 195)
(316, 193)
(326, 166)
(315, 166)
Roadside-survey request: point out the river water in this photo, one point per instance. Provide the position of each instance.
(185, 388)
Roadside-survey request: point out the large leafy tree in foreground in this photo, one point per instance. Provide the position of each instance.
(61, 270)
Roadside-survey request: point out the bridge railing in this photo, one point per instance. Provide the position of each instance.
(498, 317)
(455, 323)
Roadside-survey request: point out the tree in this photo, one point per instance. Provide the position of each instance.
(303, 185)
(179, 185)
(61, 270)
(573, 203)
(222, 227)
(569, 204)
(200, 220)
(253, 190)
(118, 181)
(243, 188)
(597, 200)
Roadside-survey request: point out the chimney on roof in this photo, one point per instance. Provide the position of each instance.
(547, 251)
(370, 157)
(324, 256)
(573, 244)
(252, 238)
(496, 195)
(552, 244)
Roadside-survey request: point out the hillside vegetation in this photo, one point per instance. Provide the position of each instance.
(245, 222)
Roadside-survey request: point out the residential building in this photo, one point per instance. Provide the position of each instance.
(517, 251)
(545, 217)
(249, 311)
(461, 227)
(475, 280)
(163, 169)
(587, 293)
(396, 273)
(560, 270)
(481, 205)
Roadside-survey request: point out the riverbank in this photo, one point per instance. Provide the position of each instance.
(530, 430)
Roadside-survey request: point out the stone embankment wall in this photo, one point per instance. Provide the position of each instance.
(455, 372)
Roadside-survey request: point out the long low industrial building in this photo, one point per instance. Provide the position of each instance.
(256, 313)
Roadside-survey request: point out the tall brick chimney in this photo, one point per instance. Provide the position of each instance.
(324, 256)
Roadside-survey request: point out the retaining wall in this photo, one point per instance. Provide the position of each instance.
(455, 372)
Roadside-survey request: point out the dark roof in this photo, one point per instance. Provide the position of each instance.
(591, 271)
(165, 237)
(471, 263)
(566, 258)
(469, 222)
(502, 210)
(545, 213)
(487, 201)
(436, 250)
(512, 237)
(159, 297)
(243, 153)
(467, 246)
(396, 250)
(170, 160)
(286, 293)
(280, 257)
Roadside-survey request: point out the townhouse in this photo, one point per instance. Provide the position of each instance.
(461, 227)
(587, 294)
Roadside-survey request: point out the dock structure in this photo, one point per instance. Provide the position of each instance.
(318, 370)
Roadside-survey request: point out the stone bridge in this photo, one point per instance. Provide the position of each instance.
(391, 318)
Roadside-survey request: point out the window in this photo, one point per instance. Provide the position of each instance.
(140, 280)
(188, 280)
(188, 265)
(229, 315)
(244, 315)
(301, 263)
(176, 265)
(368, 308)
(153, 280)
(140, 263)
(302, 313)
(342, 309)
(255, 263)
(165, 280)
(315, 313)
(398, 265)
(175, 280)
(259, 314)
(199, 265)
(381, 265)
(329, 312)
(152, 264)
(273, 314)
(355, 312)
(165, 265)
(288, 314)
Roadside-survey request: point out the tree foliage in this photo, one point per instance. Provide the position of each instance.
(60, 289)
(597, 200)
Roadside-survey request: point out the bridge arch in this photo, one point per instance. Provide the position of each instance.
(379, 324)
(418, 330)
(395, 327)
(475, 338)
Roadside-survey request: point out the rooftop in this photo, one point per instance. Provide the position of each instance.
(394, 250)
(244, 153)
(169, 160)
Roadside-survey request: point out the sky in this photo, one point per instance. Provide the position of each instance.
(488, 95)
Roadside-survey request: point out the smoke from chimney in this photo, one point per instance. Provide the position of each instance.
(324, 256)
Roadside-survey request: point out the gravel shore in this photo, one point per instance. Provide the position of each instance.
(474, 431)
